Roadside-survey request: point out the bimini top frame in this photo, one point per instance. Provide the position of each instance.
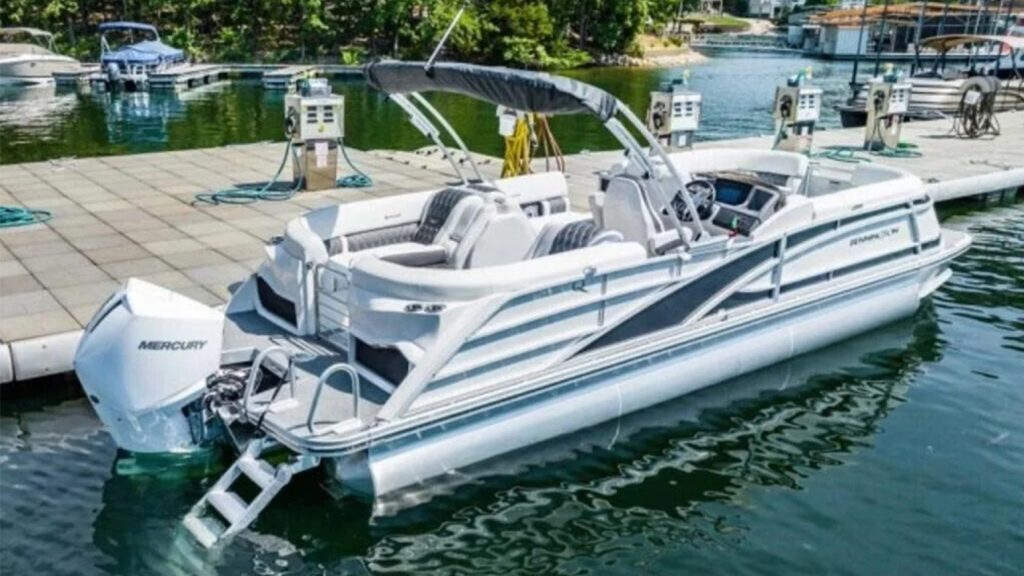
(528, 92)
(943, 44)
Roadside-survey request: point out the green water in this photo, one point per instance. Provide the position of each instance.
(44, 123)
(900, 452)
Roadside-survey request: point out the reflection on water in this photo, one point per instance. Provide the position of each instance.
(738, 92)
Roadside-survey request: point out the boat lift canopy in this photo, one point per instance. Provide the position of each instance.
(515, 89)
(528, 92)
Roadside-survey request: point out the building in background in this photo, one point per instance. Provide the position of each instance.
(772, 9)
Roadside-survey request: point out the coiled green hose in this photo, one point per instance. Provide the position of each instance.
(11, 216)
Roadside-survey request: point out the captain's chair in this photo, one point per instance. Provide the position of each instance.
(569, 233)
(627, 210)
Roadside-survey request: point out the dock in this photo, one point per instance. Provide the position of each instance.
(188, 76)
(118, 217)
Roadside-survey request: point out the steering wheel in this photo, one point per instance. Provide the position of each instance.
(702, 192)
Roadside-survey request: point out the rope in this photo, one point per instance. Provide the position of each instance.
(531, 132)
(517, 151)
(11, 216)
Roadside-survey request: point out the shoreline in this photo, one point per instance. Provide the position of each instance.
(654, 59)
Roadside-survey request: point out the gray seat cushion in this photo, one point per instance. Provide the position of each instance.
(441, 206)
(573, 235)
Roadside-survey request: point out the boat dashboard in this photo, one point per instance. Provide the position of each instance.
(734, 203)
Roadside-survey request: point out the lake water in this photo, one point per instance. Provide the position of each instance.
(899, 452)
(47, 122)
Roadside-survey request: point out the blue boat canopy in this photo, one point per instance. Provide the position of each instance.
(128, 26)
(147, 52)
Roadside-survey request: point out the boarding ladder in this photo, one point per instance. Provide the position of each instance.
(236, 514)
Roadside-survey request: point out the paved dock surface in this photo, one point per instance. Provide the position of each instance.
(132, 216)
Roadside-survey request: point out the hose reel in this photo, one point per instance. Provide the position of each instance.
(976, 114)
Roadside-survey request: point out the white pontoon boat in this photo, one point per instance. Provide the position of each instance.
(939, 91)
(400, 340)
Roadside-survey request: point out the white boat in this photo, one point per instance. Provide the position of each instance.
(397, 341)
(938, 91)
(27, 57)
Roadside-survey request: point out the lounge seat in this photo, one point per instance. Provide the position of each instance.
(452, 219)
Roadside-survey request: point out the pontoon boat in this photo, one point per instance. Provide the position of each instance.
(397, 341)
(998, 69)
(30, 62)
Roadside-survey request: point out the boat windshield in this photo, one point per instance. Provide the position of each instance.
(16, 40)
(125, 33)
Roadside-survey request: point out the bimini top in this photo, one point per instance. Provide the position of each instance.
(516, 89)
(948, 42)
(128, 26)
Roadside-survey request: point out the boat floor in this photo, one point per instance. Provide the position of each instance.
(290, 409)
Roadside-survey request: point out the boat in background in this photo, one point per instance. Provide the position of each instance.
(997, 69)
(130, 64)
(30, 62)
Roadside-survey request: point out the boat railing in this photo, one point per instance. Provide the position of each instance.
(331, 289)
(254, 374)
(354, 421)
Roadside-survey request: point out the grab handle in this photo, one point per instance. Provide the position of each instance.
(250, 384)
(339, 367)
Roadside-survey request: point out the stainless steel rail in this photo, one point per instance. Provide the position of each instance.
(340, 367)
(254, 372)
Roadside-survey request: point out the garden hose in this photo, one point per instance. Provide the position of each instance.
(847, 154)
(851, 155)
(358, 180)
(248, 195)
(12, 216)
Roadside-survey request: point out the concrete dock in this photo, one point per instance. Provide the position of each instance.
(131, 216)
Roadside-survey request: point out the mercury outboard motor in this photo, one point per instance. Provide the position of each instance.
(144, 360)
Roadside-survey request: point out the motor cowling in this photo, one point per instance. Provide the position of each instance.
(144, 360)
